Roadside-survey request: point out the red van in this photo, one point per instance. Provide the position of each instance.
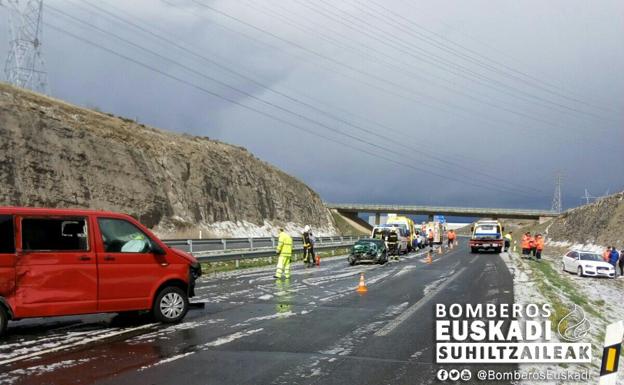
(56, 262)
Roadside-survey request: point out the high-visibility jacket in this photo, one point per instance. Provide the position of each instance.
(307, 243)
(284, 245)
(531, 242)
(508, 237)
(526, 242)
(430, 235)
(451, 235)
(539, 243)
(605, 255)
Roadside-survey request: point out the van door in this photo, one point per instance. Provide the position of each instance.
(55, 271)
(128, 269)
(7, 257)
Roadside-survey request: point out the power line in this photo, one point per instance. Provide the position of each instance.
(272, 116)
(553, 86)
(404, 46)
(488, 177)
(506, 70)
(354, 69)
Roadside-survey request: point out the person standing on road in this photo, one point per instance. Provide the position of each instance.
(532, 246)
(284, 250)
(614, 256)
(621, 262)
(526, 245)
(507, 241)
(539, 246)
(606, 254)
(308, 254)
(450, 238)
(430, 238)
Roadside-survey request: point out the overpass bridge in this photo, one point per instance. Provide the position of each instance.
(352, 209)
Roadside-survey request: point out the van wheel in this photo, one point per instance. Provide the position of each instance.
(4, 320)
(171, 305)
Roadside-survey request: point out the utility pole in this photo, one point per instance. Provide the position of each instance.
(556, 203)
(587, 197)
(24, 66)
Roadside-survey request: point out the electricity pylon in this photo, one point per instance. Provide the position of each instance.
(24, 66)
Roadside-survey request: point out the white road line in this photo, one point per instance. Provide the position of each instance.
(390, 326)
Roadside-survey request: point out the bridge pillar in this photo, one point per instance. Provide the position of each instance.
(544, 219)
(377, 218)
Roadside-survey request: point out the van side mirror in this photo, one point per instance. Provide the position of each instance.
(156, 250)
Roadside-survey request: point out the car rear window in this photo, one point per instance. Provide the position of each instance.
(7, 235)
(54, 234)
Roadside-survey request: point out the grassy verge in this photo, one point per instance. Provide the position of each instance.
(216, 267)
(344, 227)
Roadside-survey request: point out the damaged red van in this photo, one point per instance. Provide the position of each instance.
(56, 262)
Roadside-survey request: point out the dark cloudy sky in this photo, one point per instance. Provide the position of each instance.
(469, 102)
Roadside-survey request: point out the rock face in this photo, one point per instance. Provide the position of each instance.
(600, 223)
(53, 154)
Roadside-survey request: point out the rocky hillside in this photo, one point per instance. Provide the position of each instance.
(53, 154)
(600, 223)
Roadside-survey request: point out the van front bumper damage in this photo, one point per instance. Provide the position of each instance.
(194, 273)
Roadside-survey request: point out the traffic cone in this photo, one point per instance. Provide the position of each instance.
(318, 260)
(440, 249)
(362, 286)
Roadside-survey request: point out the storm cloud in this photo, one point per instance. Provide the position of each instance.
(476, 103)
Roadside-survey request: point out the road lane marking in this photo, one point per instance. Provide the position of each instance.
(392, 325)
(231, 337)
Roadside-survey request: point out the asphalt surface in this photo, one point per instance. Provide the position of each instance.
(311, 329)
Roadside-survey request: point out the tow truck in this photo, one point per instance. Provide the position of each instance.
(486, 234)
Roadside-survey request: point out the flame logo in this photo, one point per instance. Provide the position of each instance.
(574, 326)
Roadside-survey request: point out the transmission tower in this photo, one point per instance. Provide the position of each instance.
(556, 203)
(24, 66)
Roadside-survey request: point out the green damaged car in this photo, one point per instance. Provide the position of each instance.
(368, 250)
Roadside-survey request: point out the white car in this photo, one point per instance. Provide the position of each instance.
(587, 263)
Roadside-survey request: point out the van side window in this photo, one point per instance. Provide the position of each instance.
(54, 234)
(7, 235)
(120, 236)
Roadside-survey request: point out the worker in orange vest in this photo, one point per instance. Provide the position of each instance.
(450, 238)
(539, 246)
(606, 254)
(532, 245)
(526, 245)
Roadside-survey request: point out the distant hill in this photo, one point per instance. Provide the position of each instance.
(54, 154)
(600, 223)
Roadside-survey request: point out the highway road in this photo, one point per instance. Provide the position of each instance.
(312, 329)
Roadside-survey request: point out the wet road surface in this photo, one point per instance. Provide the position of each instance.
(311, 329)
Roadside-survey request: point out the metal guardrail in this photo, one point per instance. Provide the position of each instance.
(234, 249)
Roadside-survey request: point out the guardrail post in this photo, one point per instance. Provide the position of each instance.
(190, 244)
(250, 243)
(224, 243)
(237, 264)
(272, 241)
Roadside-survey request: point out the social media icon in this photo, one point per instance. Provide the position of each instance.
(442, 375)
(466, 375)
(454, 375)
